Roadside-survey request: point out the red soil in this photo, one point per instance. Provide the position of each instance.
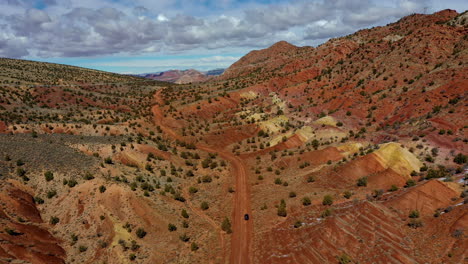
(426, 198)
(33, 242)
(365, 230)
(3, 127)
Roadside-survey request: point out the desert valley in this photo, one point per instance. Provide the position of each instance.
(354, 151)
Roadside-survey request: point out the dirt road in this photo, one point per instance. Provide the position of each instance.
(242, 229)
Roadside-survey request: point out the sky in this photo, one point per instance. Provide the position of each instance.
(143, 36)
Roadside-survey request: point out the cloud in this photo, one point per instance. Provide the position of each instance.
(12, 48)
(80, 28)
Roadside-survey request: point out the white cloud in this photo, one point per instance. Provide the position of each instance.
(162, 18)
(72, 28)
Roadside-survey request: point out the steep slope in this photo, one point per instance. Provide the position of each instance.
(264, 60)
(24, 236)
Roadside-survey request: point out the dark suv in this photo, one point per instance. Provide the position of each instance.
(246, 217)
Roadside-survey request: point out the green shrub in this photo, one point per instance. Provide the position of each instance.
(226, 226)
(414, 214)
(282, 209)
(460, 158)
(306, 201)
(12, 232)
(393, 188)
(82, 248)
(141, 233)
(327, 200)
(51, 193)
(72, 183)
(410, 183)
(38, 200)
(297, 224)
(88, 176)
(20, 172)
(54, 220)
(362, 181)
(171, 227)
(344, 259)
(184, 213)
(184, 237)
(194, 246)
(327, 212)
(204, 205)
(48, 176)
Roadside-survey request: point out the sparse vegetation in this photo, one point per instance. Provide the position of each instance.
(327, 200)
(141, 233)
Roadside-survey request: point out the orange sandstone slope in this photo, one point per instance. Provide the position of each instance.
(26, 236)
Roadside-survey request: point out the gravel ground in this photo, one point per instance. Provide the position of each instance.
(49, 152)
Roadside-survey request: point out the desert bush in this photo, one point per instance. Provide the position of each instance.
(306, 201)
(171, 227)
(184, 237)
(194, 246)
(141, 233)
(414, 214)
(184, 213)
(204, 205)
(297, 224)
(344, 259)
(48, 176)
(327, 212)
(327, 200)
(282, 209)
(460, 158)
(226, 225)
(347, 194)
(82, 248)
(20, 172)
(54, 220)
(51, 193)
(393, 188)
(410, 183)
(362, 181)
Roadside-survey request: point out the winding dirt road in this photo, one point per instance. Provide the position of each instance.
(242, 229)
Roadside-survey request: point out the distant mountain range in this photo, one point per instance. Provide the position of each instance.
(182, 76)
